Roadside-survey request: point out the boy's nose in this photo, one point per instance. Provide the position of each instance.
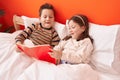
(48, 18)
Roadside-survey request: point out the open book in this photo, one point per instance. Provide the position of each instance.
(39, 52)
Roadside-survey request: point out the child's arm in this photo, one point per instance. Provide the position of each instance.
(82, 55)
(56, 52)
(25, 33)
(55, 38)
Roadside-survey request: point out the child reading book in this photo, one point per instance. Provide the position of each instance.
(43, 32)
(78, 46)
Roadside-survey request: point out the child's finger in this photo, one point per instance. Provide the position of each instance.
(50, 50)
(50, 53)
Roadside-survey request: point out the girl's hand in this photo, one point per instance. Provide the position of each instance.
(55, 54)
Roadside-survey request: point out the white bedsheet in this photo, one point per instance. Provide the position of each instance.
(18, 66)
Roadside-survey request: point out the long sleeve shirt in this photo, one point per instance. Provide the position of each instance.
(75, 52)
(39, 35)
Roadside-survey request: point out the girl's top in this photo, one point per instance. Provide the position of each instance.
(75, 52)
(39, 35)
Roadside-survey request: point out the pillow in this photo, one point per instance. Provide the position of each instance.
(61, 30)
(28, 21)
(106, 43)
(59, 27)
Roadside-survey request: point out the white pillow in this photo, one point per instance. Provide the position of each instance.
(61, 30)
(105, 39)
(28, 21)
(59, 27)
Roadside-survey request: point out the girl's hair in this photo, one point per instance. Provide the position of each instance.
(81, 20)
(46, 6)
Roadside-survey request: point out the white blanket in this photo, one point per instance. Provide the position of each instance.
(18, 66)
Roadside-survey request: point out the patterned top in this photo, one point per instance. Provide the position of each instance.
(75, 52)
(39, 35)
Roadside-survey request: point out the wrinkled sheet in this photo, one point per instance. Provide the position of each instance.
(18, 66)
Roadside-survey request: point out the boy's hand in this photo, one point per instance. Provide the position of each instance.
(17, 49)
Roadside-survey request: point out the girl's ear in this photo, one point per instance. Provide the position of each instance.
(83, 28)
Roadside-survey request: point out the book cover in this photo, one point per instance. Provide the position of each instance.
(39, 52)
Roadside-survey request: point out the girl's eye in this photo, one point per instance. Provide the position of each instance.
(72, 27)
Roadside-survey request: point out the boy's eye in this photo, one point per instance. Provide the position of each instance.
(45, 16)
(48, 16)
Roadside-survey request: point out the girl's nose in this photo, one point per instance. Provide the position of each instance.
(70, 30)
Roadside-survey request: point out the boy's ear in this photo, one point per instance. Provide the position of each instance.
(40, 19)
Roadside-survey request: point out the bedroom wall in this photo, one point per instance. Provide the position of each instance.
(101, 11)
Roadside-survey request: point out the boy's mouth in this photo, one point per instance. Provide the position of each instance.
(47, 22)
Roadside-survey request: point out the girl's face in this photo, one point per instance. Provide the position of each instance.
(47, 18)
(75, 29)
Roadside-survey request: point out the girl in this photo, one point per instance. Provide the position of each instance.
(77, 47)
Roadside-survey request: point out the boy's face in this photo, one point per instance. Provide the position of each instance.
(47, 18)
(75, 29)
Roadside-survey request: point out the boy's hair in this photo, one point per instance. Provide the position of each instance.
(46, 6)
(81, 20)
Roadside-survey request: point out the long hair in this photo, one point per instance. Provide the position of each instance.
(81, 20)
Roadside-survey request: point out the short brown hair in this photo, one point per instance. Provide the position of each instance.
(46, 6)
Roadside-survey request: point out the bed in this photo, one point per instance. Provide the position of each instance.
(105, 59)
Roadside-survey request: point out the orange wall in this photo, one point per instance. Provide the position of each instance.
(98, 11)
